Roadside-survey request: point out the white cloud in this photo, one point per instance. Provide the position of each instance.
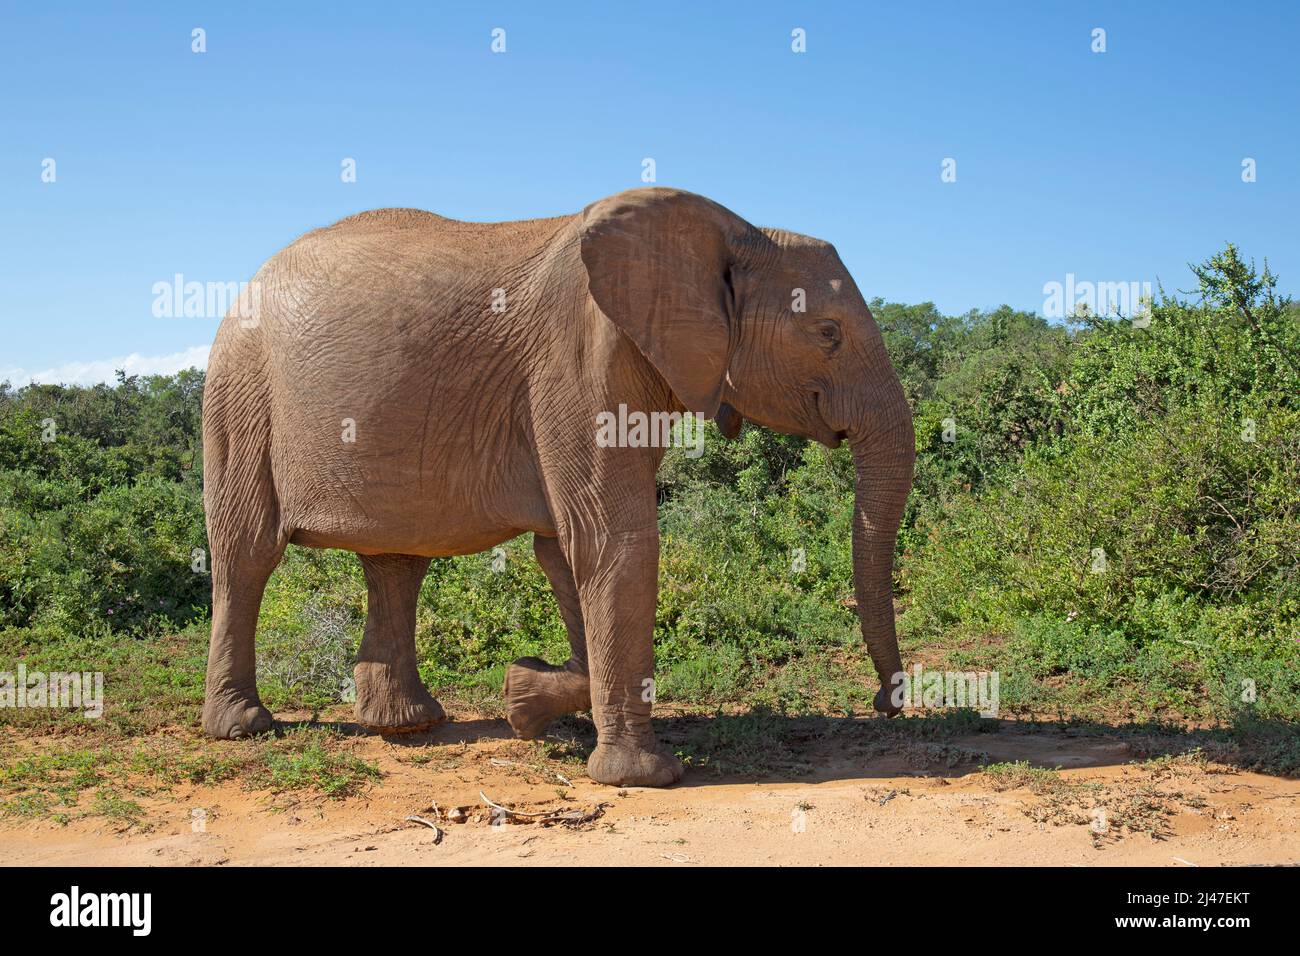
(105, 370)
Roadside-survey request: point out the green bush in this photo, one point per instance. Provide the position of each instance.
(1154, 541)
(122, 557)
(100, 505)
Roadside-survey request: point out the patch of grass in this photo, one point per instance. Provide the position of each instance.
(32, 804)
(1142, 808)
(1125, 807)
(54, 777)
(64, 782)
(479, 692)
(716, 675)
(749, 744)
(150, 684)
(169, 762)
(569, 742)
(1269, 746)
(309, 759)
(1176, 764)
(112, 806)
(52, 784)
(820, 681)
(1021, 774)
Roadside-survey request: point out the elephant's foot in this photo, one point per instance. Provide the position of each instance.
(232, 714)
(623, 765)
(537, 692)
(884, 704)
(389, 704)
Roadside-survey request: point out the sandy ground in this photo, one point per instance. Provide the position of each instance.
(851, 810)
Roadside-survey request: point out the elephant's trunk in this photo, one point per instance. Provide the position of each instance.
(883, 461)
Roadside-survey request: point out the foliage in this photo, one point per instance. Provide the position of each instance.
(100, 505)
(1154, 543)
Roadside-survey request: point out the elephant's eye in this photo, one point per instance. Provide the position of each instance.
(828, 333)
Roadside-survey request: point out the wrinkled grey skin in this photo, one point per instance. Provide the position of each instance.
(474, 425)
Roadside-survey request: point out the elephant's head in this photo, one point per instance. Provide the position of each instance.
(768, 325)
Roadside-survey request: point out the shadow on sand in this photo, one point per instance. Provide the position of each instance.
(763, 746)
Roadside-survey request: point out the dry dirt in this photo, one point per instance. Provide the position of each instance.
(855, 807)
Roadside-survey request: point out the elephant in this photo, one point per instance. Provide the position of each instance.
(410, 387)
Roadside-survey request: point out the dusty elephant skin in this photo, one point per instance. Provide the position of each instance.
(413, 387)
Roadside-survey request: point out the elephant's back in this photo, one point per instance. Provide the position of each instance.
(390, 272)
(382, 276)
(478, 243)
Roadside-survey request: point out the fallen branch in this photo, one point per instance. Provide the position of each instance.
(513, 813)
(546, 816)
(431, 825)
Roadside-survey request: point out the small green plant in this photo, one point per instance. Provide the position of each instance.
(310, 759)
(1020, 774)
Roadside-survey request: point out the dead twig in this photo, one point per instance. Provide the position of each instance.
(437, 830)
(546, 816)
(514, 813)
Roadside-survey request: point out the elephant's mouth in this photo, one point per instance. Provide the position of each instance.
(828, 436)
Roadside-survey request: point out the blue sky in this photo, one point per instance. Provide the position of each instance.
(1115, 166)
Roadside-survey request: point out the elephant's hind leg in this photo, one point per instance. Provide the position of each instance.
(231, 707)
(391, 699)
(537, 692)
(245, 548)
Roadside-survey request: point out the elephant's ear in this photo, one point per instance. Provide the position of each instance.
(659, 267)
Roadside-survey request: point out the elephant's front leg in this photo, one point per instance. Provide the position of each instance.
(537, 692)
(616, 573)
